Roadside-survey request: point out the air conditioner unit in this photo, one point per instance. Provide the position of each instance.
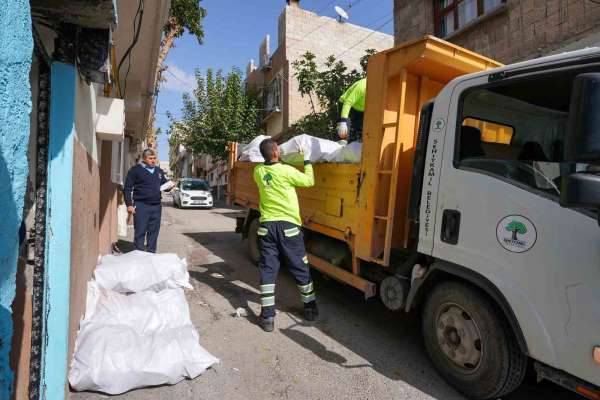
(111, 119)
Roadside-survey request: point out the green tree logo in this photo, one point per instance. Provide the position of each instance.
(268, 178)
(516, 227)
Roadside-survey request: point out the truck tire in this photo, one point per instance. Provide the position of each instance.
(470, 343)
(252, 241)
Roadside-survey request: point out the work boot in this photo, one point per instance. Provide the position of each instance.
(267, 323)
(311, 312)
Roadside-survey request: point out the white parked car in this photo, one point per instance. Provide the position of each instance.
(191, 192)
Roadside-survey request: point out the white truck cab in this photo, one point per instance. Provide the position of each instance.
(509, 202)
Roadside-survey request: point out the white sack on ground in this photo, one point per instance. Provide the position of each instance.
(317, 148)
(138, 270)
(132, 341)
(349, 153)
(122, 220)
(251, 151)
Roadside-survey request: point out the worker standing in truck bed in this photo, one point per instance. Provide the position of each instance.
(353, 108)
(280, 235)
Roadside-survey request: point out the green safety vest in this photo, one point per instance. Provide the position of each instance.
(354, 97)
(276, 186)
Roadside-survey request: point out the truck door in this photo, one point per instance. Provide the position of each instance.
(498, 213)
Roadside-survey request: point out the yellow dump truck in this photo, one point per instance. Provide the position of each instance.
(464, 207)
(365, 206)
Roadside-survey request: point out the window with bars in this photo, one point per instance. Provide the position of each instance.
(451, 15)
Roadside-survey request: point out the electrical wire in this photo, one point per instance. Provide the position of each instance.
(350, 5)
(136, 34)
(365, 38)
(325, 7)
(176, 77)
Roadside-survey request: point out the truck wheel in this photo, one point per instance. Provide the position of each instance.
(252, 241)
(392, 292)
(470, 344)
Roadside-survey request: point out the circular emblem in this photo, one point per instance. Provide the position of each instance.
(438, 124)
(516, 233)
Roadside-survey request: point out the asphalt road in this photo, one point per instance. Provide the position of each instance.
(356, 350)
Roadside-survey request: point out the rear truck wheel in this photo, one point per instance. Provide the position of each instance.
(469, 342)
(252, 241)
(393, 291)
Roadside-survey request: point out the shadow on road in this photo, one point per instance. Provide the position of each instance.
(367, 328)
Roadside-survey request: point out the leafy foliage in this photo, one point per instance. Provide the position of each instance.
(324, 88)
(220, 110)
(186, 14)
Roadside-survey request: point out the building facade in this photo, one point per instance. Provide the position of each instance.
(300, 31)
(71, 124)
(504, 30)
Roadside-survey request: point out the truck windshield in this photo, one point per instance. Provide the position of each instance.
(194, 185)
(516, 131)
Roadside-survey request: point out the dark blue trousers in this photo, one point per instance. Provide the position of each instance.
(355, 125)
(282, 241)
(146, 224)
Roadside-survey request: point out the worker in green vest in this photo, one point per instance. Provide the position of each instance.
(353, 107)
(280, 235)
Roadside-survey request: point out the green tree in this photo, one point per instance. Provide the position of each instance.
(516, 227)
(183, 15)
(324, 88)
(220, 110)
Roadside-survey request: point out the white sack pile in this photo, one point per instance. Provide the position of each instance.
(320, 150)
(147, 338)
(138, 270)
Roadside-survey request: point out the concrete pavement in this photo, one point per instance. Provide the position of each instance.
(356, 350)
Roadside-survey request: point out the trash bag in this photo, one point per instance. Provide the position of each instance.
(318, 149)
(137, 271)
(251, 151)
(349, 153)
(137, 340)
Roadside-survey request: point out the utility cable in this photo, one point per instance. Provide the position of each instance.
(365, 38)
(136, 34)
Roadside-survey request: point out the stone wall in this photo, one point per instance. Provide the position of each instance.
(519, 30)
(323, 36)
(300, 31)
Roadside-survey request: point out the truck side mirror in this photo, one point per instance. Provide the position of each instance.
(582, 142)
(580, 190)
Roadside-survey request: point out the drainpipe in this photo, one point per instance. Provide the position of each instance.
(37, 324)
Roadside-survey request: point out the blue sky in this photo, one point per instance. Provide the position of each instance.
(233, 31)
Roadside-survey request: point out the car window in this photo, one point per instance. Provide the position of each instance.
(194, 185)
(517, 140)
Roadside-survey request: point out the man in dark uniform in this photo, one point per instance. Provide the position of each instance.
(280, 235)
(142, 197)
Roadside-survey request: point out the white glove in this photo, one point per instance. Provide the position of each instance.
(305, 153)
(342, 129)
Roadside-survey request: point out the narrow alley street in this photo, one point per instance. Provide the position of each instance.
(356, 350)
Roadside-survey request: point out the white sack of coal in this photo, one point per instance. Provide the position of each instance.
(137, 340)
(137, 271)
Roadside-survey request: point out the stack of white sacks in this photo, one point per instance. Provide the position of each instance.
(137, 330)
(320, 150)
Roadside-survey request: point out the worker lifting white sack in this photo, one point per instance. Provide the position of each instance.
(319, 150)
(137, 340)
(251, 151)
(138, 270)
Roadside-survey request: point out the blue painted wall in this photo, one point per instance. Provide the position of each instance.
(16, 46)
(58, 229)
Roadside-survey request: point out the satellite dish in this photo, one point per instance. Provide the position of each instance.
(341, 12)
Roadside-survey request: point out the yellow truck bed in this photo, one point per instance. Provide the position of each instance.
(365, 205)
